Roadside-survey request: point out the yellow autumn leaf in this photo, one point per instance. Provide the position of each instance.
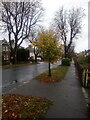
(4, 106)
(6, 111)
(13, 114)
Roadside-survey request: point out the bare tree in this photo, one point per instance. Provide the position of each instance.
(69, 24)
(60, 21)
(19, 18)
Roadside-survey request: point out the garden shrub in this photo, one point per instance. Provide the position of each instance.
(32, 60)
(22, 55)
(88, 58)
(66, 62)
(70, 59)
(81, 59)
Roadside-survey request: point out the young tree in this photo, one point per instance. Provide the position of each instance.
(47, 44)
(69, 24)
(18, 20)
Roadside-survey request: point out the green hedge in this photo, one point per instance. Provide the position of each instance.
(22, 55)
(66, 62)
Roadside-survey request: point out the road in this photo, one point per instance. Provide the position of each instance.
(14, 76)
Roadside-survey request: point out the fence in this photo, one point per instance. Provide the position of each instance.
(83, 73)
(86, 77)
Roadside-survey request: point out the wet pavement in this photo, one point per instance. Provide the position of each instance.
(67, 96)
(15, 76)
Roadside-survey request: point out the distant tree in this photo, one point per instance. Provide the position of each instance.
(47, 44)
(68, 24)
(18, 20)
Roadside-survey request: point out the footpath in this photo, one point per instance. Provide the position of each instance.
(67, 96)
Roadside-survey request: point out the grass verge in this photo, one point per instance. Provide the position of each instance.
(57, 75)
(15, 107)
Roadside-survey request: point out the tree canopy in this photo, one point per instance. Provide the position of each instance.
(18, 20)
(48, 46)
(68, 23)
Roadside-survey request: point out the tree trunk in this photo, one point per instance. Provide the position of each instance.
(35, 58)
(49, 67)
(35, 55)
(65, 51)
(14, 57)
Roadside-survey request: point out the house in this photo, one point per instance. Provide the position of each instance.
(31, 51)
(32, 54)
(87, 52)
(5, 51)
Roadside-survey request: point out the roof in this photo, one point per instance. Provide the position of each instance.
(4, 42)
(31, 49)
(87, 51)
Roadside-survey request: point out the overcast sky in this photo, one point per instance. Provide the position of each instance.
(51, 6)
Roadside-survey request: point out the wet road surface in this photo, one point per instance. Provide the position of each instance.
(14, 76)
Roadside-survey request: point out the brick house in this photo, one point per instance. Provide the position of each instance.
(5, 51)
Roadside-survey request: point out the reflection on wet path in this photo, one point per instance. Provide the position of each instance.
(14, 76)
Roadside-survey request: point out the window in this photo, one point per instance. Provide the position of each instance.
(6, 57)
(6, 48)
(3, 48)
